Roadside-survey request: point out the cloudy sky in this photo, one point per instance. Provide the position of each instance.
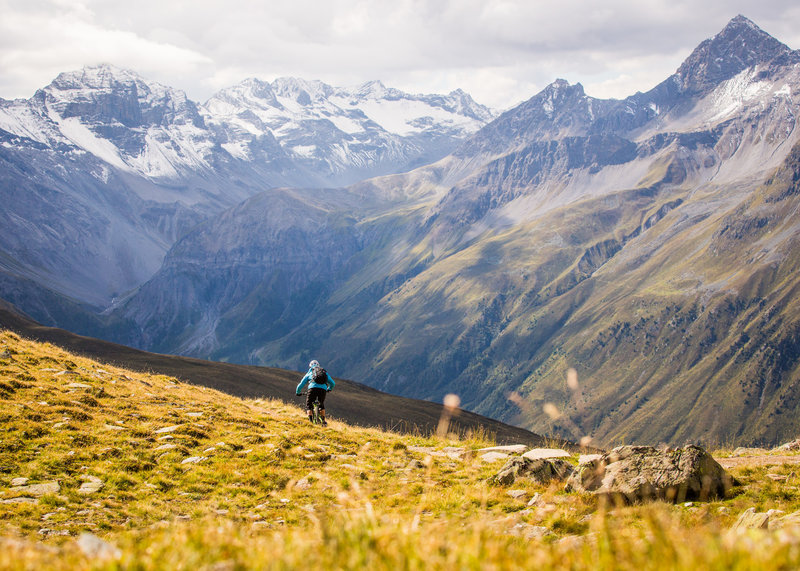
(500, 51)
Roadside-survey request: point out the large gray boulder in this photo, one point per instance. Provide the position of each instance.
(639, 473)
(541, 471)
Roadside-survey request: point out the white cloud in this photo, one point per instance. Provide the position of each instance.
(500, 51)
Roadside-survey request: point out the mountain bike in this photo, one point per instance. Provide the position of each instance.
(315, 416)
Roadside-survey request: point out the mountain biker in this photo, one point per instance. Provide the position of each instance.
(319, 384)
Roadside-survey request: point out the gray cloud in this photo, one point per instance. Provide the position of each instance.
(501, 51)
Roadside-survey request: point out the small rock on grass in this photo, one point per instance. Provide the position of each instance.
(508, 449)
(95, 548)
(545, 453)
(493, 456)
(750, 519)
(19, 482)
(91, 486)
(39, 489)
(516, 494)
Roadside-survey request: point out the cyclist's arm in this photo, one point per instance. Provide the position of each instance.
(330, 382)
(303, 382)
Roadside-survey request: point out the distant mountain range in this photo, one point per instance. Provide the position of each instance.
(102, 171)
(648, 243)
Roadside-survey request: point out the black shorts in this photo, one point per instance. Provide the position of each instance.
(316, 394)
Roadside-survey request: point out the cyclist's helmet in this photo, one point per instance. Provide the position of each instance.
(313, 364)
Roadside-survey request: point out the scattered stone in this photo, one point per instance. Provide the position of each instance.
(38, 489)
(194, 414)
(193, 460)
(262, 524)
(6, 355)
(415, 465)
(165, 447)
(167, 437)
(529, 531)
(791, 520)
(68, 373)
(221, 512)
(750, 519)
(302, 484)
(535, 500)
(586, 458)
(209, 450)
(91, 486)
(493, 456)
(639, 473)
(792, 446)
(541, 471)
(114, 427)
(742, 451)
(46, 532)
(778, 477)
(517, 494)
(509, 449)
(20, 501)
(544, 453)
(19, 482)
(168, 429)
(96, 548)
(78, 386)
(723, 510)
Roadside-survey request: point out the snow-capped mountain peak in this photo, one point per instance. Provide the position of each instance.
(343, 133)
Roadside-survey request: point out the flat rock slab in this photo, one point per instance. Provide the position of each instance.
(38, 489)
(165, 447)
(79, 386)
(194, 460)
(509, 449)
(91, 486)
(20, 501)
(95, 548)
(16, 482)
(168, 429)
(750, 519)
(586, 458)
(493, 456)
(545, 453)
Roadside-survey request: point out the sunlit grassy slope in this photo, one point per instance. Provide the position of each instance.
(191, 478)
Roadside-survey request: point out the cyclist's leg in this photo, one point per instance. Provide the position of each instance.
(309, 405)
(318, 395)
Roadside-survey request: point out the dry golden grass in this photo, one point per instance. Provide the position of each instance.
(271, 491)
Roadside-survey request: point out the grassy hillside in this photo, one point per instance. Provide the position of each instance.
(169, 475)
(353, 402)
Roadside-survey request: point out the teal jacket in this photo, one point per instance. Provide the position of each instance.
(328, 386)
